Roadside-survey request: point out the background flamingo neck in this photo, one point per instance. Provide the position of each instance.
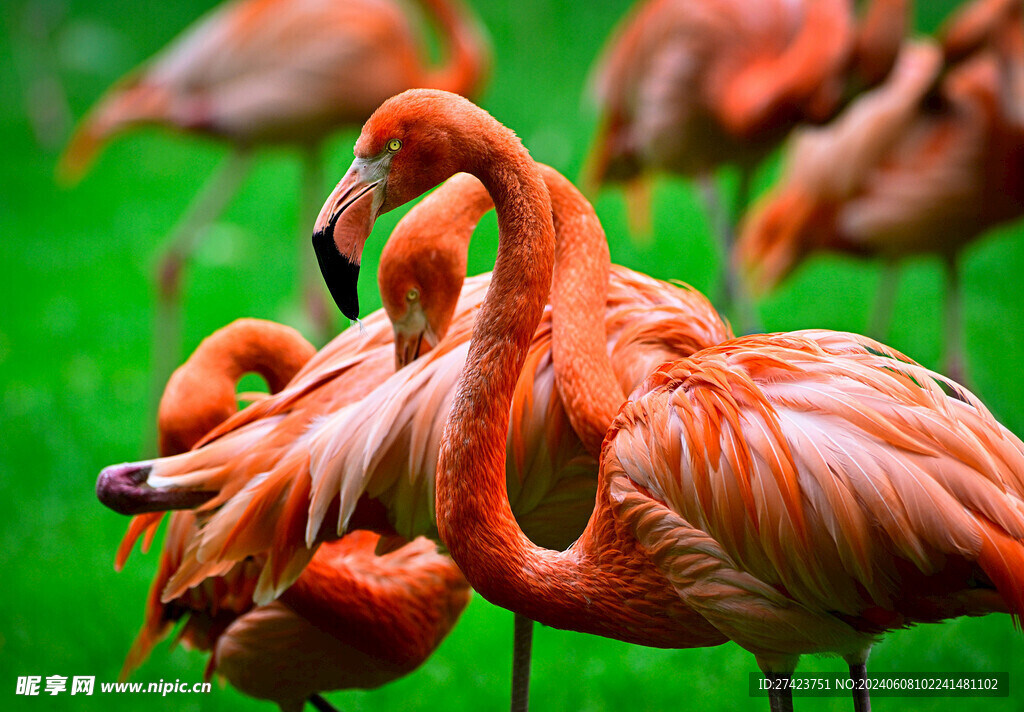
(468, 61)
(274, 351)
(579, 293)
(880, 34)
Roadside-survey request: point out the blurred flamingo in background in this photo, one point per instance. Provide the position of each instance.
(797, 493)
(378, 455)
(352, 620)
(259, 72)
(924, 164)
(976, 24)
(685, 87)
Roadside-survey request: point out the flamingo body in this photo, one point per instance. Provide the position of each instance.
(279, 71)
(686, 87)
(352, 620)
(895, 175)
(813, 490)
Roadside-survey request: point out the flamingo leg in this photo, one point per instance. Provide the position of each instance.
(314, 300)
(954, 362)
(733, 299)
(861, 694)
(321, 705)
(885, 299)
(638, 208)
(521, 649)
(780, 696)
(205, 207)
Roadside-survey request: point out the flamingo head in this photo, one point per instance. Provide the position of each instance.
(778, 232)
(423, 265)
(411, 143)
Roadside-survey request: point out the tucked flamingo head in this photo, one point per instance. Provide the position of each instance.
(199, 396)
(423, 265)
(414, 141)
(776, 235)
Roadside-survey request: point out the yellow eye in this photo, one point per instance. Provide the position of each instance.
(394, 145)
(412, 295)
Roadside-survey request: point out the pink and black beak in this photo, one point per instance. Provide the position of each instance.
(408, 348)
(123, 488)
(344, 224)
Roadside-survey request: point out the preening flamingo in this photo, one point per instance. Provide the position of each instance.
(797, 493)
(352, 620)
(259, 72)
(685, 87)
(380, 453)
(912, 167)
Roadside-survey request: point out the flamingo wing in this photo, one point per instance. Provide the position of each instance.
(299, 490)
(823, 475)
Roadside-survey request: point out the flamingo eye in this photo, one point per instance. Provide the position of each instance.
(394, 145)
(412, 295)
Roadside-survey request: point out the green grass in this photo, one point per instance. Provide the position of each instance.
(75, 333)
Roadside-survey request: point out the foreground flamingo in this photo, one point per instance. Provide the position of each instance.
(259, 72)
(377, 457)
(905, 170)
(352, 620)
(686, 87)
(797, 493)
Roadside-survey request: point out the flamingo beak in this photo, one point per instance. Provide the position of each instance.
(408, 348)
(344, 224)
(123, 488)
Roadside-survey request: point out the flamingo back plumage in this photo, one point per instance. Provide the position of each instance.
(828, 479)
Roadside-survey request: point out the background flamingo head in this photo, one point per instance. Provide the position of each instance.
(423, 265)
(778, 233)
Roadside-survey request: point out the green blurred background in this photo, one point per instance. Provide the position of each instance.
(75, 335)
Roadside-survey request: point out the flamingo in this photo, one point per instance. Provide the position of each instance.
(975, 24)
(268, 72)
(379, 453)
(796, 493)
(910, 168)
(686, 87)
(351, 620)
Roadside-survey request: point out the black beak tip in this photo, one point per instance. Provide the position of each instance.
(340, 274)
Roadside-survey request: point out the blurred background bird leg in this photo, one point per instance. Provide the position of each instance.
(522, 645)
(35, 56)
(319, 703)
(185, 236)
(313, 297)
(733, 298)
(954, 363)
(638, 208)
(885, 300)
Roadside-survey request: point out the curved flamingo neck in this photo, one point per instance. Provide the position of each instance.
(273, 351)
(469, 56)
(201, 393)
(583, 371)
(430, 245)
(575, 589)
